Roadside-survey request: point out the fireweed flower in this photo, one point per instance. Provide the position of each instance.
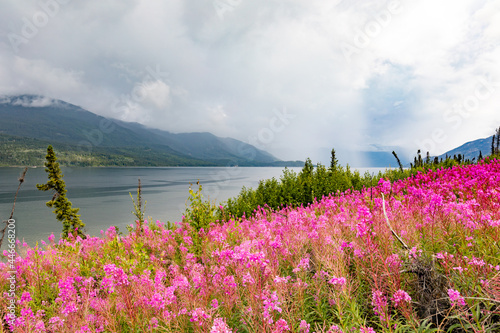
(248, 279)
(229, 284)
(384, 186)
(379, 302)
(56, 323)
(304, 327)
(334, 329)
(84, 329)
(394, 262)
(40, 326)
(279, 279)
(215, 303)
(220, 326)
(198, 316)
(51, 238)
(157, 301)
(281, 326)
(415, 253)
(68, 296)
(25, 297)
(153, 323)
(441, 202)
(271, 303)
(456, 298)
(399, 297)
(111, 232)
(116, 274)
(341, 281)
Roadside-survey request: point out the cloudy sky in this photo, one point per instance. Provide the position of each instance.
(295, 77)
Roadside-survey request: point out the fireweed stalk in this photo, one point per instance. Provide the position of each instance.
(333, 264)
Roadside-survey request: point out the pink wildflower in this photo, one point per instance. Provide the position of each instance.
(341, 281)
(111, 232)
(220, 326)
(304, 326)
(157, 301)
(271, 303)
(56, 323)
(281, 326)
(456, 298)
(229, 284)
(334, 329)
(400, 296)
(153, 323)
(415, 253)
(198, 316)
(215, 303)
(379, 302)
(25, 297)
(384, 185)
(440, 255)
(394, 262)
(40, 326)
(84, 329)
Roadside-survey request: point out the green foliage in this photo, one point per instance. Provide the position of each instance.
(139, 209)
(199, 215)
(312, 183)
(20, 151)
(63, 210)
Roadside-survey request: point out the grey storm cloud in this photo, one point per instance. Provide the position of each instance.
(349, 74)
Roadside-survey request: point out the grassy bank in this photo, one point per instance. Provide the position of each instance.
(420, 254)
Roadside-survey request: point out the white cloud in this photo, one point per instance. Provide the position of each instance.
(227, 73)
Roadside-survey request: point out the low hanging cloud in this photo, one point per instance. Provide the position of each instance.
(354, 74)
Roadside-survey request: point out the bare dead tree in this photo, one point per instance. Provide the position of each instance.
(21, 181)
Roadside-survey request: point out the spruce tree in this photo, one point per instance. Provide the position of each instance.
(333, 161)
(498, 141)
(493, 145)
(63, 210)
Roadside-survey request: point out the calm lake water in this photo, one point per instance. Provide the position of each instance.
(102, 194)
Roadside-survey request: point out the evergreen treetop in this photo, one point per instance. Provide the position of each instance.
(63, 208)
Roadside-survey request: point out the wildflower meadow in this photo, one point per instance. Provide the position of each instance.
(415, 255)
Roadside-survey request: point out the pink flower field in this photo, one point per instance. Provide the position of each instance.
(334, 266)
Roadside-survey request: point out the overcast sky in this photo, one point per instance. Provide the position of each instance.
(295, 77)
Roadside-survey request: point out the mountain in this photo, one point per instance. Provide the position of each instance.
(471, 149)
(32, 122)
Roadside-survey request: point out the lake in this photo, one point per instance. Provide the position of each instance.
(102, 194)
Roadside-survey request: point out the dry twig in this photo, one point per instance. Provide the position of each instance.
(21, 181)
(389, 224)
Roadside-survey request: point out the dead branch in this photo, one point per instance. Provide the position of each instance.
(21, 181)
(389, 224)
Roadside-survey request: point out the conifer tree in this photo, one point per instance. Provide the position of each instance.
(63, 210)
(493, 145)
(498, 141)
(333, 161)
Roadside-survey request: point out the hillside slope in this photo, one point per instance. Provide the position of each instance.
(82, 132)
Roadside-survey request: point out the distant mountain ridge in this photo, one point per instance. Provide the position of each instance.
(471, 149)
(55, 121)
